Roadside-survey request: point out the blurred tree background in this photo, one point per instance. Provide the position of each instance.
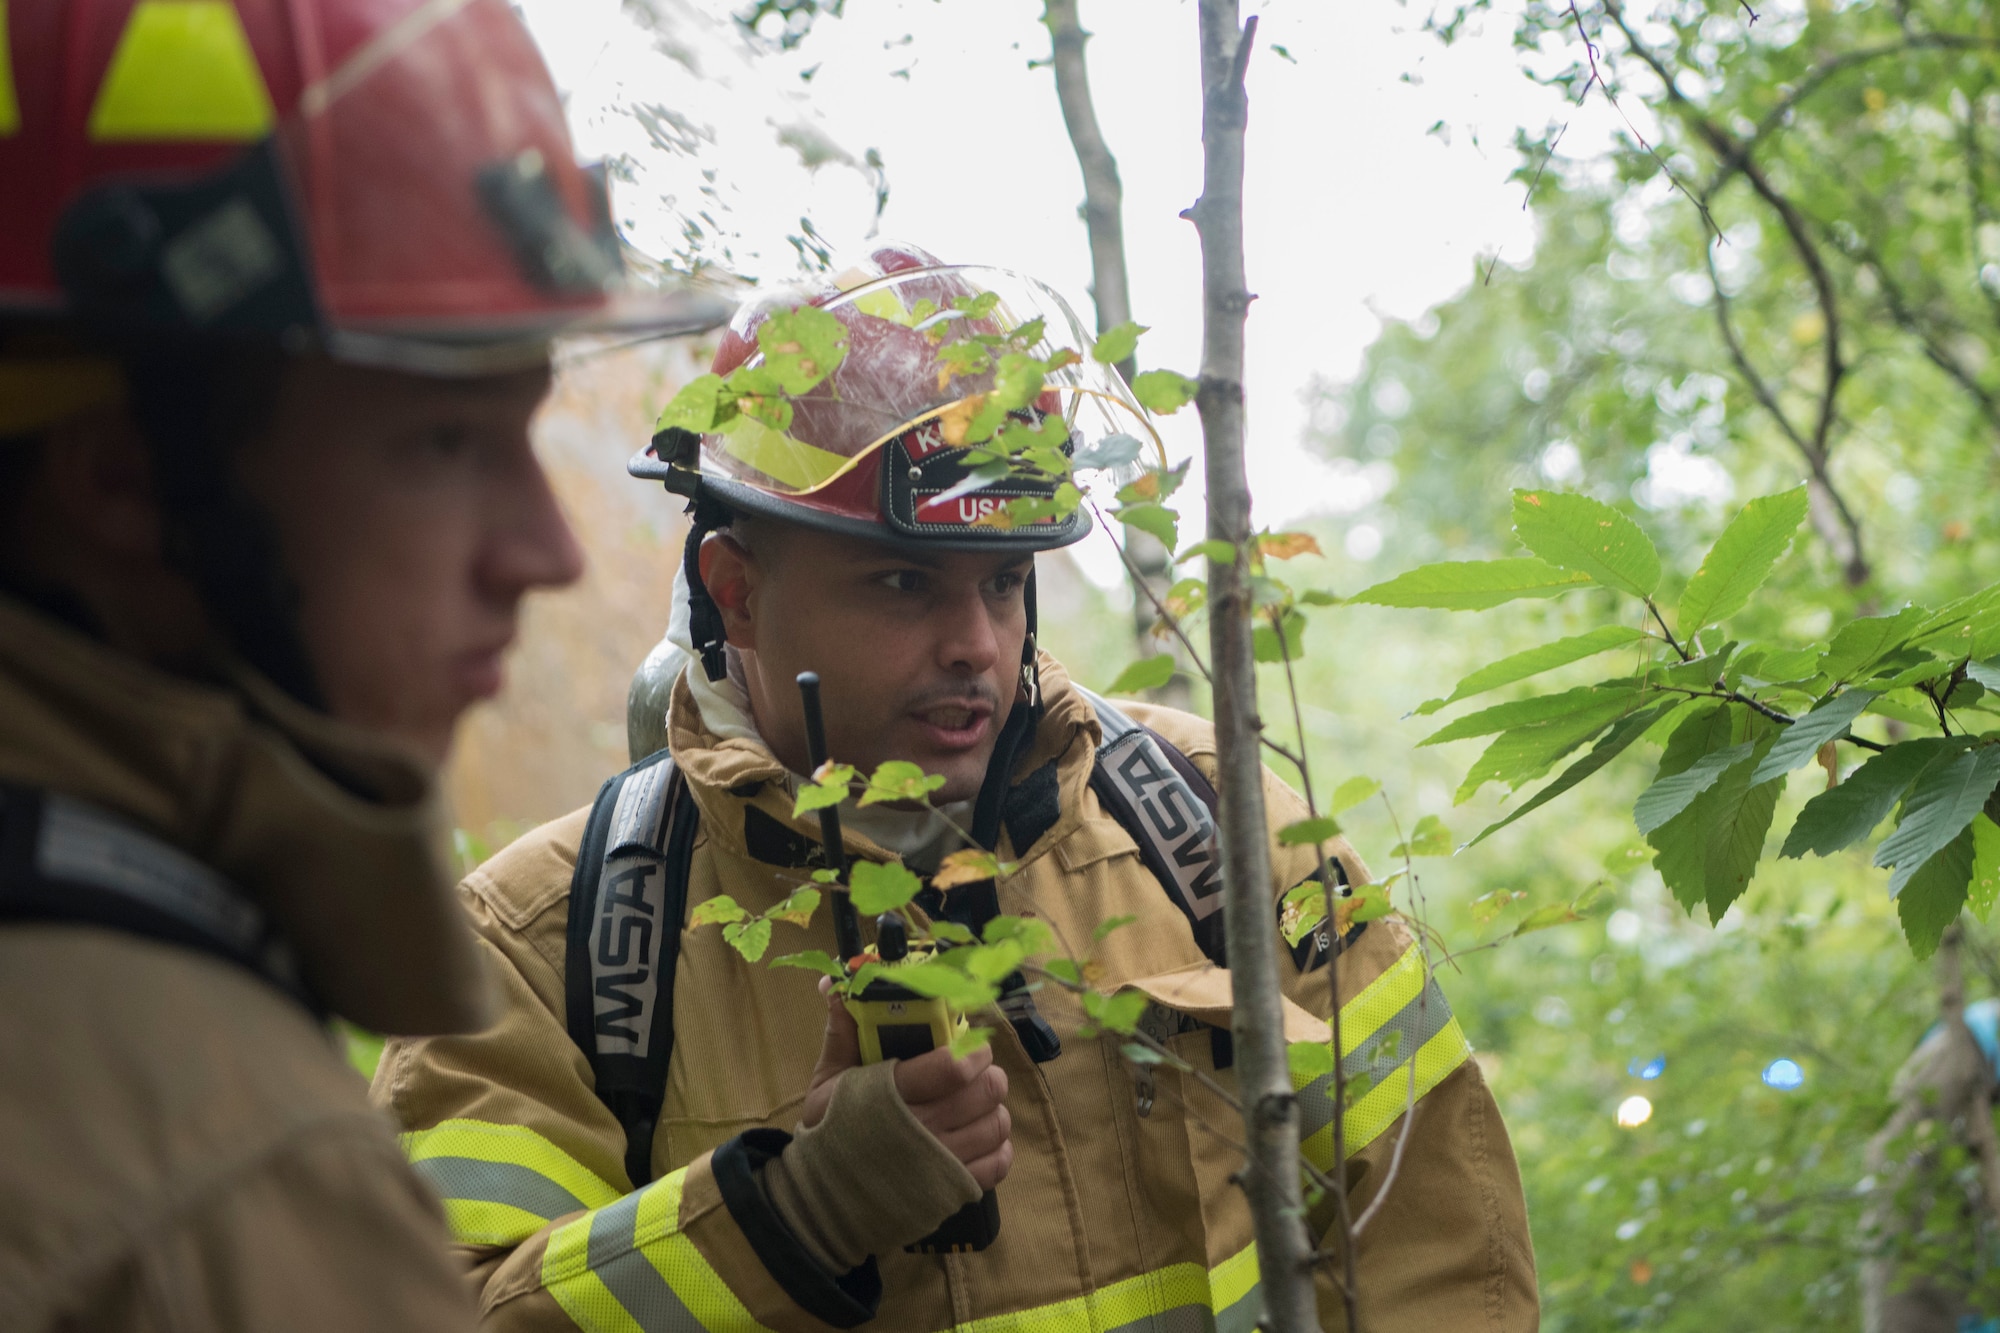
(1789, 268)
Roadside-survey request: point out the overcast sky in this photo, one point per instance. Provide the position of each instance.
(1377, 179)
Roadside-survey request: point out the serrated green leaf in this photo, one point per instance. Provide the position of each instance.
(1609, 747)
(968, 1040)
(1308, 1060)
(1152, 518)
(1352, 793)
(1527, 712)
(1164, 391)
(1984, 888)
(812, 960)
(1708, 852)
(1986, 673)
(1860, 644)
(1115, 1013)
(1148, 673)
(822, 794)
(1849, 812)
(1534, 661)
(797, 909)
(1578, 533)
(1116, 343)
(1936, 892)
(1524, 753)
(959, 989)
(1801, 741)
(1471, 585)
(749, 938)
(1741, 559)
(1941, 803)
(1307, 832)
(1670, 795)
(899, 780)
(1777, 666)
(879, 888)
(1429, 838)
(720, 910)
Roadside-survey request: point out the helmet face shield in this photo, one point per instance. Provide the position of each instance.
(957, 396)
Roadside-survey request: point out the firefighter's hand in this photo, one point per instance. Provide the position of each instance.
(961, 1102)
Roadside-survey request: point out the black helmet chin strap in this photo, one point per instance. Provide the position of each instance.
(704, 616)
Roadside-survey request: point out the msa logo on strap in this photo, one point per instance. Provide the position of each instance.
(630, 930)
(1174, 816)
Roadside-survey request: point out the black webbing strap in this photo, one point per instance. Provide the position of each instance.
(64, 861)
(628, 897)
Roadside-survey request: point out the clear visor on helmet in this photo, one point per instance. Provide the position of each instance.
(982, 352)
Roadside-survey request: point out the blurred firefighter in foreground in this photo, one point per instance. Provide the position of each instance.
(662, 1135)
(277, 284)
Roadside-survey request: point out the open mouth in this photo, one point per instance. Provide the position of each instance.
(955, 726)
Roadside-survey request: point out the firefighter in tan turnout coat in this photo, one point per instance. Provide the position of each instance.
(785, 1181)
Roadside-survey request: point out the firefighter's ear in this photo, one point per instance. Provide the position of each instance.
(730, 573)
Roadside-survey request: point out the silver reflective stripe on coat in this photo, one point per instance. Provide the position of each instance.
(1176, 821)
(630, 935)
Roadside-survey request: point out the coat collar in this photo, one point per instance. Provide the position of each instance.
(337, 835)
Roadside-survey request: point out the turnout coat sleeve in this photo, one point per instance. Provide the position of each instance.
(1450, 1246)
(507, 1127)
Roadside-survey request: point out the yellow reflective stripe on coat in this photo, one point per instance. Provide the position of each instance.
(501, 1183)
(628, 1269)
(1225, 1299)
(1399, 1026)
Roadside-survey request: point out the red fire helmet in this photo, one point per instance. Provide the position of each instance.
(878, 447)
(390, 181)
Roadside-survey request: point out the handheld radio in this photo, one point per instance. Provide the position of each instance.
(894, 1022)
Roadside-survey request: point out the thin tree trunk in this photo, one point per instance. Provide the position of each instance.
(1270, 1108)
(1110, 290)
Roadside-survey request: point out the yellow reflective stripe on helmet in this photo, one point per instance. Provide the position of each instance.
(183, 69)
(501, 1183)
(1226, 1296)
(627, 1268)
(10, 105)
(1400, 1020)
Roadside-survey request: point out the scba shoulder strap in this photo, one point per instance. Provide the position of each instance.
(64, 861)
(628, 898)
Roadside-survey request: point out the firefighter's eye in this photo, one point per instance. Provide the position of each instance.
(1007, 583)
(902, 580)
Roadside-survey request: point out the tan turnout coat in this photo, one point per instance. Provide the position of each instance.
(1110, 1220)
(182, 1147)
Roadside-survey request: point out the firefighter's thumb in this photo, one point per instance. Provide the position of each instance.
(840, 1050)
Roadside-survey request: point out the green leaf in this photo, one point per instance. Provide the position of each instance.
(802, 347)
(1613, 743)
(952, 933)
(1936, 892)
(1111, 451)
(1308, 1060)
(797, 909)
(1116, 343)
(1307, 832)
(812, 960)
(1117, 1013)
(1429, 838)
(1148, 673)
(1534, 661)
(749, 938)
(1164, 391)
(717, 911)
(968, 1040)
(1862, 643)
(1487, 907)
(1526, 712)
(697, 407)
(1063, 970)
(1266, 646)
(1670, 795)
(826, 876)
(1141, 1055)
(1578, 533)
(1374, 901)
(832, 789)
(1708, 852)
(1318, 597)
(1162, 523)
(1221, 552)
(1741, 559)
(1545, 916)
(1524, 753)
(1848, 813)
(961, 990)
(986, 962)
(1943, 801)
(899, 780)
(1984, 888)
(1109, 925)
(1034, 935)
(882, 888)
(1352, 793)
(1471, 585)
(1801, 741)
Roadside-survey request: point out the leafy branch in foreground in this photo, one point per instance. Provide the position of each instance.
(1735, 718)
